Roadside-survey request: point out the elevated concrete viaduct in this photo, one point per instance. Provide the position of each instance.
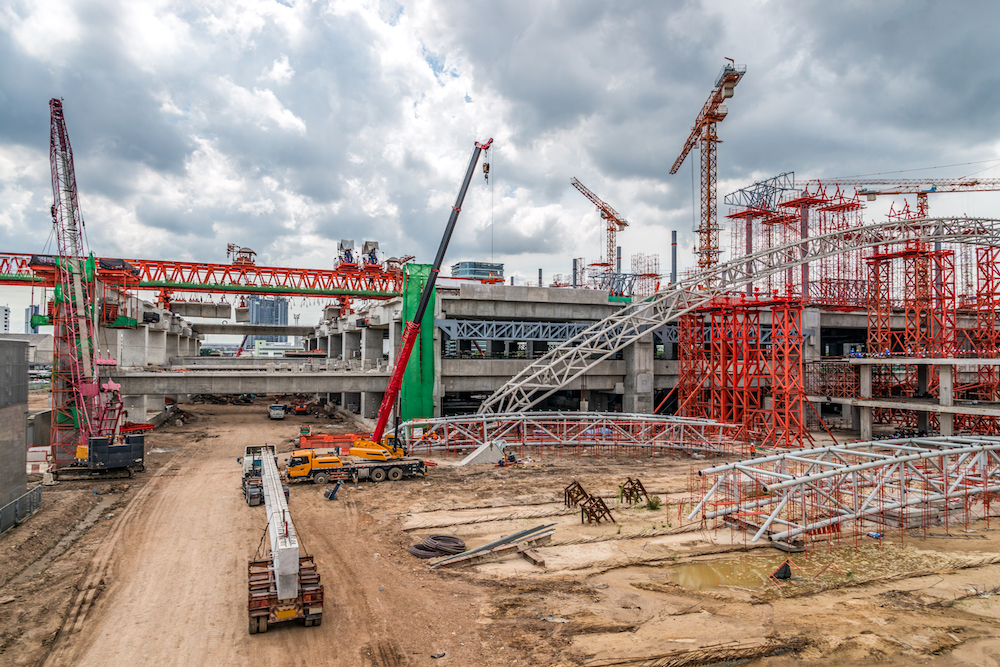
(247, 382)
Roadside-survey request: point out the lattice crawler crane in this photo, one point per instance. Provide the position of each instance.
(86, 413)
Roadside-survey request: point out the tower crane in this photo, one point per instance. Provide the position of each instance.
(614, 221)
(905, 186)
(704, 133)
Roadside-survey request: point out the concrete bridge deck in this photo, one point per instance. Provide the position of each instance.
(159, 383)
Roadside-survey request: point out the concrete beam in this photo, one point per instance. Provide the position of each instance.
(246, 382)
(209, 328)
(219, 311)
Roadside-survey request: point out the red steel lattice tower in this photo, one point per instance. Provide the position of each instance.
(613, 221)
(704, 134)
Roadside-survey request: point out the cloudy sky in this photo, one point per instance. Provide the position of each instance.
(285, 125)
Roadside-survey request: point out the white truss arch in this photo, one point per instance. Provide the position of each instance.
(577, 355)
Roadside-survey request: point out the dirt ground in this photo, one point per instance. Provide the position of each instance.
(152, 571)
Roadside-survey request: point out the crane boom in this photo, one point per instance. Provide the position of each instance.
(615, 222)
(412, 328)
(713, 111)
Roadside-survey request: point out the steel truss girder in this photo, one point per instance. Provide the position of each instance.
(576, 356)
(829, 486)
(283, 540)
(524, 331)
(569, 429)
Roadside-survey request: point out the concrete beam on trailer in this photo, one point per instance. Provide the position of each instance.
(281, 531)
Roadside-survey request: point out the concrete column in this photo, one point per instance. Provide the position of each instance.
(395, 333)
(638, 396)
(352, 345)
(335, 346)
(132, 349)
(352, 401)
(371, 347)
(946, 394)
(923, 417)
(866, 423)
(810, 320)
(156, 348)
(864, 411)
(371, 401)
(135, 408)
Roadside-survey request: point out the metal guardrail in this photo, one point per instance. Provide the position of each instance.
(16, 511)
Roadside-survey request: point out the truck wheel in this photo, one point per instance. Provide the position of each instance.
(253, 625)
(309, 622)
(262, 624)
(321, 478)
(395, 474)
(378, 475)
(317, 621)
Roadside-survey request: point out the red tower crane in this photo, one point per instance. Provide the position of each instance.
(704, 133)
(614, 221)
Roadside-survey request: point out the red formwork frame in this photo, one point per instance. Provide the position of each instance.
(788, 420)
(692, 363)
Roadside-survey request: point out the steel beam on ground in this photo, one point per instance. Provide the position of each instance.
(281, 531)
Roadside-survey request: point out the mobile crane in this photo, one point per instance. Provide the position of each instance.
(381, 447)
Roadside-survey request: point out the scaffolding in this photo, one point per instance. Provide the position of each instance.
(847, 491)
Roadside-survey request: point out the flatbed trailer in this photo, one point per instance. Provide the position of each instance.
(265, 609)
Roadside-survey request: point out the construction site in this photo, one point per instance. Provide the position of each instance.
(786, 454)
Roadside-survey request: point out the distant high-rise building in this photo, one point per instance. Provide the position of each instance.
(477, 270)
(267, 310)
(28, 312)
(4, 319)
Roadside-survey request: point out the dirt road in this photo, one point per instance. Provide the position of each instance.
(176, 586)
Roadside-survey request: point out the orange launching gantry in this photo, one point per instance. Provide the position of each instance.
(704, 132)
(615, 222)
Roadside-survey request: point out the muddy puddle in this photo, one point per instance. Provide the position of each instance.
(810, 573)
(747, 570)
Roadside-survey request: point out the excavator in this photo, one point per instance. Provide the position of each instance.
(385, 447)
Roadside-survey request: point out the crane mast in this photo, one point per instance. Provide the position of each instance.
(704, 134)
(614, 222)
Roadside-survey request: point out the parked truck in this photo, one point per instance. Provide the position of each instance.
(307, 465)
(276, 411)
(253, 491)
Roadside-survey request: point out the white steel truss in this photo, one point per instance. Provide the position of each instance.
(577, 355)
(905, 483)
(637, 432)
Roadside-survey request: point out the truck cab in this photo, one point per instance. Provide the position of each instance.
(276, 411)
(306, 463)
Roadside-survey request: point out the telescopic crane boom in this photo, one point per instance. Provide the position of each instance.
(412, 328)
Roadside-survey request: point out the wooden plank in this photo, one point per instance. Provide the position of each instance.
(533, 557)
